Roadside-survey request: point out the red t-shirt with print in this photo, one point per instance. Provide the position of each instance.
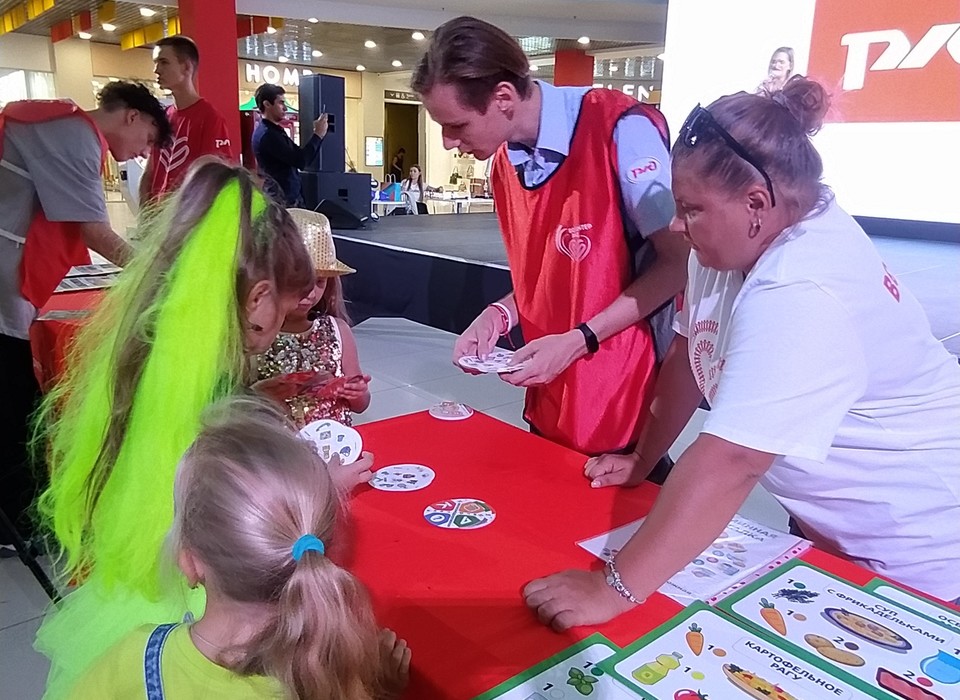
(199, 130)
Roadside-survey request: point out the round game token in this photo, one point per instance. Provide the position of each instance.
(332, 438)
(451, 410)
(403, 477)
(459, 514)
(497, 362)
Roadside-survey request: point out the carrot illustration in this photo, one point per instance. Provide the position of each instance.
(772, 616)
(695, 639)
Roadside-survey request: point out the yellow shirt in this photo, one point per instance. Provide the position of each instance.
(187, 674)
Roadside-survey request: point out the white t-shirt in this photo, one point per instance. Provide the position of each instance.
(822, 357)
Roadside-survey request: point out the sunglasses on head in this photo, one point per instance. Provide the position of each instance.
(700, 121)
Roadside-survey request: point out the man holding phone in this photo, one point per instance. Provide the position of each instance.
(279, 159)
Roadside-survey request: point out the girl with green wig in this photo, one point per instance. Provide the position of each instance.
(219, 269)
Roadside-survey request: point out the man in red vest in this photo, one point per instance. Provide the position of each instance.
(198, 128)
(52, 210)
(581, 183)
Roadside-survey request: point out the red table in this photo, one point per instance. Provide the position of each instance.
(455, 595)
(50, 339)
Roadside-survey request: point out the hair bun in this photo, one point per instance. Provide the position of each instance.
(807, 101)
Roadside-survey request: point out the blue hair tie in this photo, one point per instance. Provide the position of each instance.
(307, 543)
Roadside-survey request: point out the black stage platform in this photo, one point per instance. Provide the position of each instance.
(439, 270)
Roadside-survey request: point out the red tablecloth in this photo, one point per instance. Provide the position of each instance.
(455, 595)
(50, 339)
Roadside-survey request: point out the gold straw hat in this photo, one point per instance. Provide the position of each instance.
(317, 237)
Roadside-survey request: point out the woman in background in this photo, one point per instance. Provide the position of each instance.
(778, 72)
(415, 188)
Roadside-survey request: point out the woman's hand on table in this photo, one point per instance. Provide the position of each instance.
(574, 598)
(614, 470)
(347, 477)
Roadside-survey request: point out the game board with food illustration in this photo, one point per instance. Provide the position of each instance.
(572, 673)
(880, 646)
(702, 653)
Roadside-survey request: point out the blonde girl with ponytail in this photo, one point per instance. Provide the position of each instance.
(218, 269)
(255, 518)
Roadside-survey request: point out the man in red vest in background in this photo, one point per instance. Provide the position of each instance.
(198, 128)
(52, 210)
(581, 183)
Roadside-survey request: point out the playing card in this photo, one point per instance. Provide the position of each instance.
(451, 410)
(403, 477)
(460, 514)
(329, 438)
(497, 362)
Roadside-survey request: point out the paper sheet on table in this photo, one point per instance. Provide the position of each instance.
(744, 551)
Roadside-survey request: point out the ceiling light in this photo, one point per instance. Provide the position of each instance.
(396, 63)
(361, 67)
(271, 30)
(312, 20)
(583, 40)
(107, 27)
(317, 54)
(370, 44)
(147, 12)
(418, 36)
(534, 68)
(85, 35)
(282, 59)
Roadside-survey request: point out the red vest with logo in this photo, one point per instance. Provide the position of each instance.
(569, 259)
(51, 247)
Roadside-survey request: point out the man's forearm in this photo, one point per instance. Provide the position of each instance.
(655, 287)
(675, 398)
(101, 238)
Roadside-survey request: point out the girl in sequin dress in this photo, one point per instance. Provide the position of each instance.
(316, 338)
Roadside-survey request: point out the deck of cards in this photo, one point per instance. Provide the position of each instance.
(403, 477)
(330, 438)
(497, 362)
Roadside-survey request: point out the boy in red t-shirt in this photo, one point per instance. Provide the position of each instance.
(198, 129)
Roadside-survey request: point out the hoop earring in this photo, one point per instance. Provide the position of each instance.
(256, 328)
(754, 229)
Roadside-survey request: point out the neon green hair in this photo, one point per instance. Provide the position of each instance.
(164, 344)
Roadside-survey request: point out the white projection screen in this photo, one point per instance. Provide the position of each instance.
(891, 142)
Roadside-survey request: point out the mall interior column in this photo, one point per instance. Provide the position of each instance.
(212, 25)
(572, 67)
(73, 72)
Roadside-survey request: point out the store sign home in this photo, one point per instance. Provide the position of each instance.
(290, 77)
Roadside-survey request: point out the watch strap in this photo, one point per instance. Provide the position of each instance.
(593, 343)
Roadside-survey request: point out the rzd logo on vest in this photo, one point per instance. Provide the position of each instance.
(896, 62)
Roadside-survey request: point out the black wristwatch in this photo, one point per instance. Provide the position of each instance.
(593, 344)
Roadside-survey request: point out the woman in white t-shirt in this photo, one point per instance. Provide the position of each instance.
(415, 188)
(824, 380)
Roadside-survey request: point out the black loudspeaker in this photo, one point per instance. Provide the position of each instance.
(339, 216)
(324, 93)
(338, 193)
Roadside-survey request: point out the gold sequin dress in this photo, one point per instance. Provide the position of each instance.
(318, 349)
